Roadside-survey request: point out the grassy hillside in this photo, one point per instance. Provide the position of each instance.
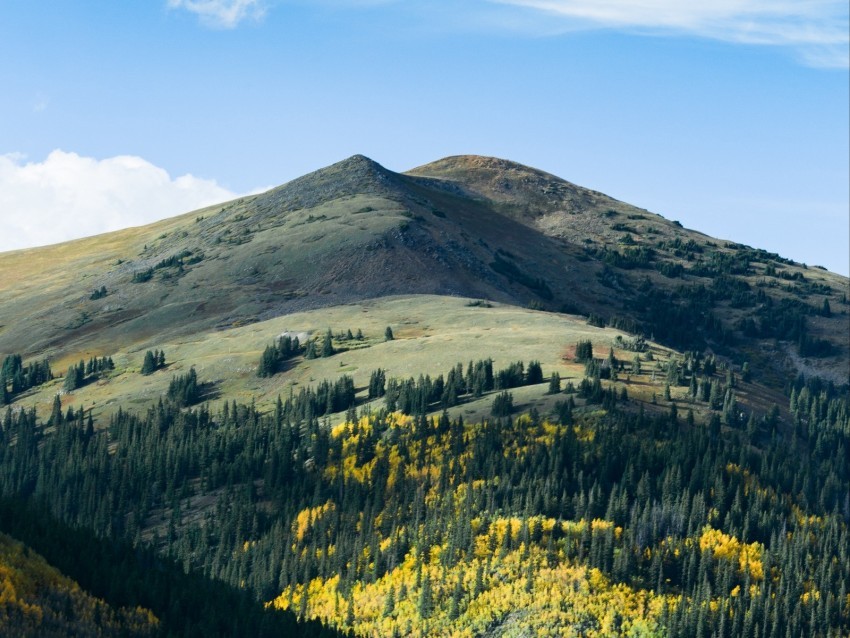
(466, 226)
(432, 334)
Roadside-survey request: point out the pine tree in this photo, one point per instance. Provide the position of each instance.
(310, 352)
(554, 383)
(503, 404)
(584, 351)
(70, 382)
(425, 602)
(388, 334)
(149, 363)
(389, 602)
(457, 594)
(478, 587)
(327, 345)
(377, 384)
(534, 374)
(56, 412)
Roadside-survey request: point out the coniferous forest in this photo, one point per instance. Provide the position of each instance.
(601, 518)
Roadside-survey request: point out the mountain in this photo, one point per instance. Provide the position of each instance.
(469, 400)
(465, 226)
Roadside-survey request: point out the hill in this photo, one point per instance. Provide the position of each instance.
(465, 226)
(468, 400)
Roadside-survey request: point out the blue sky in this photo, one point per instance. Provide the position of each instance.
(730, 117)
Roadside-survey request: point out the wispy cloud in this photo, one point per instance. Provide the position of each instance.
(41, 103)
(818, 31)
(222, 14)
(68, 196)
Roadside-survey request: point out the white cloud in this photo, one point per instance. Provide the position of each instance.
(68, 196)
(817, 30)
(225, 14)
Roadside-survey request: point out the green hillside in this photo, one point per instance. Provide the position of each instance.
(469, 400)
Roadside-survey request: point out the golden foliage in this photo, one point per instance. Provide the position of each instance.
(306, 518)
(725, 547)
(557, 599)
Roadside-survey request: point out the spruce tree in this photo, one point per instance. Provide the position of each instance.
(425, 594)
(503, 404)
(310, 352)
(149, 363)
(534, 374)
(389, 602)
(56, 412)
(70, 382)
(327, 345)
(554, 383)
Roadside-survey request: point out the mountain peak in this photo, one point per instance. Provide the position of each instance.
(359, 162)
(356, 174)
(472, 162)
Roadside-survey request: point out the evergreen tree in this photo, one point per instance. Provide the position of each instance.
(327, 344)
(534, 373)
(389, 602)
(377, 384)
(70, 383)
(56, 412)
(503, 404)
(388, 334)
(425, 595)
(310, 352)
(149, 364)
(584, 351)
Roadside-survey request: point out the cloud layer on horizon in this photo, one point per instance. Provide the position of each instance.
(68, 196)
